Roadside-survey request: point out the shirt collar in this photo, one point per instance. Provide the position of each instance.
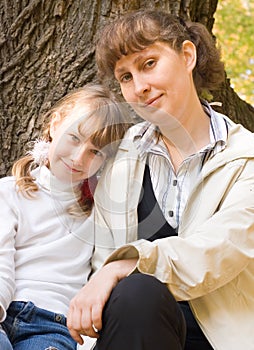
(146, 136)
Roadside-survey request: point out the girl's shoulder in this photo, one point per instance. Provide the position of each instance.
(7, 181)
(8, 188)
(7, 185)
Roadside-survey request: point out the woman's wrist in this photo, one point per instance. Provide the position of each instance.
(121, 268)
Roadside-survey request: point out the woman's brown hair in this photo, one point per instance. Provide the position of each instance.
(137, 30)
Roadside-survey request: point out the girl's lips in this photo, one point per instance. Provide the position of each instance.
(73, 170)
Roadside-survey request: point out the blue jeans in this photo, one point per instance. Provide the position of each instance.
(31, 328)
(4, 341)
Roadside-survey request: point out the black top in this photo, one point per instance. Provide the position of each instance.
(151, 221)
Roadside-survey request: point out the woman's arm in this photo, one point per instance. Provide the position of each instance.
(210, 253)
(85, 312)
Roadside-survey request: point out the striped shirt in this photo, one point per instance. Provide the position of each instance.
(172, 189)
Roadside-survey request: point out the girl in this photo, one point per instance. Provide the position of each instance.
(188, 198)
(47, 240)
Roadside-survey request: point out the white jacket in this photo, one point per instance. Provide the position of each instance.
(210, 262)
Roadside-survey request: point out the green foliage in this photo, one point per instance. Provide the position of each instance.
(234, 29)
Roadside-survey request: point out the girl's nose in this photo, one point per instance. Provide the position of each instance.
(79, 156)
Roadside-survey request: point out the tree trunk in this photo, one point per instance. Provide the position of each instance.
(47, 49)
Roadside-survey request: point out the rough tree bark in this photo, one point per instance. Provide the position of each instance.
(47, 49)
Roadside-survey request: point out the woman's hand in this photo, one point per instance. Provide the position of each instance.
(85, 312)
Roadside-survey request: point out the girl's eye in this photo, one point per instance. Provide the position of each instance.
(75, 138)
(97, 152)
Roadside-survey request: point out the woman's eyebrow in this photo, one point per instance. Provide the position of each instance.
(136, 60)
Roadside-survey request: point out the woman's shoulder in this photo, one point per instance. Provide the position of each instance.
(237, 132)
(240, 141)
(240, 134)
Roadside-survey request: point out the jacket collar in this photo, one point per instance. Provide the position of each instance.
(240, 143)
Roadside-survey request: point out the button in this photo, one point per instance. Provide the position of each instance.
(58, 318)
(174, 182)
(171, 213)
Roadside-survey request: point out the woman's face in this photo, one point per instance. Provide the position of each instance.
(157, 81)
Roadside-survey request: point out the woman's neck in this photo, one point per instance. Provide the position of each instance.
(188, 137)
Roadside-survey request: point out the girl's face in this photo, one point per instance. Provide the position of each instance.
(72, 157)
(157, 81)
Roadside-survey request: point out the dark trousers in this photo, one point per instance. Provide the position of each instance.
(141, 314)
(195, 339)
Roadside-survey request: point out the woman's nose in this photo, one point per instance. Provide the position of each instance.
(141, 85)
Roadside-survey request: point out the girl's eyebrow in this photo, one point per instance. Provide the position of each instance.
(82, 131)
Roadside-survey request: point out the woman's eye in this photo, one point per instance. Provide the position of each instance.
(125, 78)
(150, 63)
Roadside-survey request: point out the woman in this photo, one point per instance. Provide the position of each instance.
(182, 184)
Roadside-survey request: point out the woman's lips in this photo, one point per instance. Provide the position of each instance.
(152, 101)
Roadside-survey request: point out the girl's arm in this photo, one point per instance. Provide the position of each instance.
(8, 222)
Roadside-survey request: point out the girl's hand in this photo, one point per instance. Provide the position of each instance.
(85, 312)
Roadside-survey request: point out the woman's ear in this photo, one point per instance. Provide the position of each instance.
(190, 54)
(54, 124)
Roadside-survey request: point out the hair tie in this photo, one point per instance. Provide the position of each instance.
(40, 151)
(183, 23)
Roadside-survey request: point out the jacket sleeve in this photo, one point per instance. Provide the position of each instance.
(210, 255)
(8, 225)
(103, 243)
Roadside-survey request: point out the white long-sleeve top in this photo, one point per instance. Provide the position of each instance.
(44, 253)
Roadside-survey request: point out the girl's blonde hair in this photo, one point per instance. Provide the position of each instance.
(137, 30)
(104, 125)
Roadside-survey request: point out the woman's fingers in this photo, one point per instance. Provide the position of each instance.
(96, 315)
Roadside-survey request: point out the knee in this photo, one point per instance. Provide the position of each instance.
(141, 293)
(141, 300)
